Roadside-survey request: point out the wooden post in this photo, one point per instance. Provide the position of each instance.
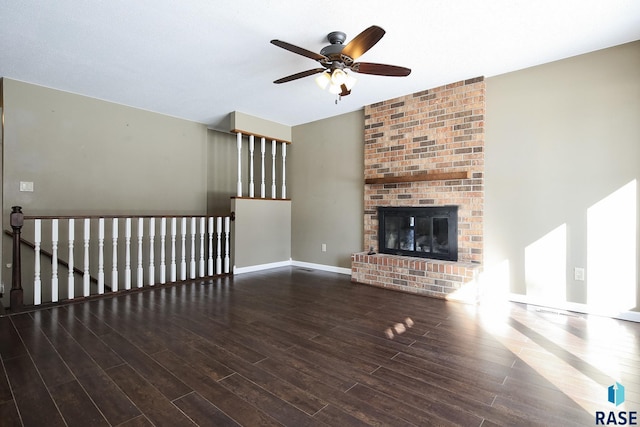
(16, 294)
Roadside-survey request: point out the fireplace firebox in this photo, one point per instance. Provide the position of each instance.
(426, 232)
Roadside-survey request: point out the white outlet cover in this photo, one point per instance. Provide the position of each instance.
(26, 186)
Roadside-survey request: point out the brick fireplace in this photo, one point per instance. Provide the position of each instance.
(425, 149)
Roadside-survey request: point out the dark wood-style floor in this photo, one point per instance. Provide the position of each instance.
(297, 347)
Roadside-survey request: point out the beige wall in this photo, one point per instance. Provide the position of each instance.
(326, 170)
(89, 156)
(261, 232)
(222, 171)
(562, 148)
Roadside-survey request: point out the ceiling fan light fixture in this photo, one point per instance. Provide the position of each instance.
(323, 80)
(350, 81)
(338, 77)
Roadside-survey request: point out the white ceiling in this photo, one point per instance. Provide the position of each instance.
(201, 59)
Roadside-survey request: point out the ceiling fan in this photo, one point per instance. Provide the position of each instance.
(337, 58)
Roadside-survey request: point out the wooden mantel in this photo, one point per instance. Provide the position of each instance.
(418, 177)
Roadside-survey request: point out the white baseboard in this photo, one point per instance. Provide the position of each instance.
(330, 268)
(260, 267)
(632, 316)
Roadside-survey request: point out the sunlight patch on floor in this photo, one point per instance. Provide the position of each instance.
(580, 388)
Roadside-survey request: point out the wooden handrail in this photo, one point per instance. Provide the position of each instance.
(50, 256)
(31, 217)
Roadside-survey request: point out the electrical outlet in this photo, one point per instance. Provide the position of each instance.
(26, 186)
(578, 273)
(324, 247)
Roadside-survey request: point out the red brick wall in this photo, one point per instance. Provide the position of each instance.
(437, 130)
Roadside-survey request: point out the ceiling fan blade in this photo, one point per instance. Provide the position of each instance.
(380, 69)
(299, 50)
(299, 75)
(363, 42)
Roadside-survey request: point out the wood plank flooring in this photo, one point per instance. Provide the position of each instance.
(298, 347)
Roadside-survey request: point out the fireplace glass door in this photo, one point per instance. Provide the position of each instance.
(428, 232)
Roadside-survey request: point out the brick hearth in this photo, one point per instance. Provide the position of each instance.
(439, 130)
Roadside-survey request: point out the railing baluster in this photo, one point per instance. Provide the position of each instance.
(273, 169)
(100, 256)
(37, 281)
(284, 160)
(127, 257)
(192, 260)
(210, 257)
(54, 260)
(140, 237)
(163, 237)
(262, 149)
(16, 294)
(114, 258)
(226, 244)
(173, 249)
(85, 274)
(71, 277)
(152, 237)
(202, 232)
(251, 145)
(219, 245)
(239, 144)
(183, 254)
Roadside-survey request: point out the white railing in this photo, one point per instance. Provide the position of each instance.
(210, 257)
(251, 185)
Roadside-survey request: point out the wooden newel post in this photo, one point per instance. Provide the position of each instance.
(16, 294)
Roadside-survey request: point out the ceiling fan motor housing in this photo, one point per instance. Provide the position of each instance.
(336, 38)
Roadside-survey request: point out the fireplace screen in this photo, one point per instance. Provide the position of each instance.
(428, 232)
